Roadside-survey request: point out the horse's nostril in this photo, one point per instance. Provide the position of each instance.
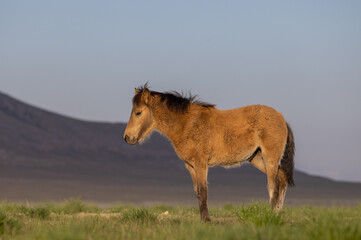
(126, 138)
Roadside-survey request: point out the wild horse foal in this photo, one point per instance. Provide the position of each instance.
(204, 136)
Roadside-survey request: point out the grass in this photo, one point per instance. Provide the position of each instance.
(75, 219)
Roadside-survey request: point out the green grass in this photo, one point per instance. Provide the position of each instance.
(75, 219)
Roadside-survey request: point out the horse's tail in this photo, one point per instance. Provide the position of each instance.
(287, 163)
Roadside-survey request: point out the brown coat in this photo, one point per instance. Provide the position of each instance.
(204, 136)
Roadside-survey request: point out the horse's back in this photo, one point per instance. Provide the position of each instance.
(253, 117)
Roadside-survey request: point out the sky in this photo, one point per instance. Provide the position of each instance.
(84, 58)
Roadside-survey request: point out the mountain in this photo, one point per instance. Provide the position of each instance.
(47, 156)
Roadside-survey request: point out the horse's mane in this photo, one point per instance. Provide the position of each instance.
(174, 100)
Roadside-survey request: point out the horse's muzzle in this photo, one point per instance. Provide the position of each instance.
(129, 140)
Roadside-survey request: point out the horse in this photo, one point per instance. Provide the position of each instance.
(204, 136)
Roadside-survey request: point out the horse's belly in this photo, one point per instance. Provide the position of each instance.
(229, 160)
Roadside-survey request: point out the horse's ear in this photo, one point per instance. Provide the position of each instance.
(136, 91)
(146, 96)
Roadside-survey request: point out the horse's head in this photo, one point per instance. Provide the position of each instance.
(141, 121)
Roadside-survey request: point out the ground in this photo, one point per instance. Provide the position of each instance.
(75, 219)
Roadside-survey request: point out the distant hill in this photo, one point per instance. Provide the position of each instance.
(47, 156)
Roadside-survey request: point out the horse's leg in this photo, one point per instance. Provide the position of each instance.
(257, 162)
(272, 186)
(271, 166)
(193, 175)
(281, 179)
(202, 191)
(282, 188)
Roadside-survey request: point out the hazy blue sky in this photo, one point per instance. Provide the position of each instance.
(84, 58)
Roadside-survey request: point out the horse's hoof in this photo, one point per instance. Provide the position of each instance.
(206, 219)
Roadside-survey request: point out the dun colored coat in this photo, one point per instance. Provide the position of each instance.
(204, 136)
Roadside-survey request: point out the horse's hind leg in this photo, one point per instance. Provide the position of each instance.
(257, 162)
(268, 164)
(272, 183)
(281, 179)
(282, 188)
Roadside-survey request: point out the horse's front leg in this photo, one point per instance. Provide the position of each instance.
(199, 178)
(202, 191)
(191, 171)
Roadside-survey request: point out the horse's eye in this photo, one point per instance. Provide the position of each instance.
(138, 113)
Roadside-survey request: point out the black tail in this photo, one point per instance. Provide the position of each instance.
(287, 163)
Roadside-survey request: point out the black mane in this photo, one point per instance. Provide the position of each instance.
(175, 101)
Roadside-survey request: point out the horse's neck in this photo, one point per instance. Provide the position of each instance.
(169, 123)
